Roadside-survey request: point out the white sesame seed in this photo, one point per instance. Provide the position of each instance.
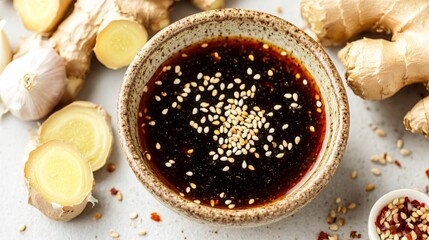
(237, 80)
(257, 76)
(318, 103)
(215, 157)
(253, 88)
(165, 111)
(297, 139)
(405, 152)
(289, 146)
(211, 87)
(168, 164)
(206, 129)
(179, 98)
(214, 93)
(133, 215)
(249, 71)
(270, 138)
(294, 105)
(174, 105)
(251, 201)
(230, 85)
(231, 206)
(199, 129)
(225, 169)
(176, 81)
(304, 82)
(187, 90)
(199, 75)
(280, 155)
(201, 88)
(145, 89)
(189, 173)
(157, 98)
(158, 146)
(267, 154)
(188, 190)
(159, 83)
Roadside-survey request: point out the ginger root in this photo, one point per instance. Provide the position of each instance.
(376, 68)
(208, 4)
(59, 180)
(42, 15)
(84, 125)
(75, 38)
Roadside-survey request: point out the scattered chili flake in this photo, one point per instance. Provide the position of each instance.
(323, 236)
(111, 167)
(113, 191)
(397, 163)
(155, 217)
(427, 173)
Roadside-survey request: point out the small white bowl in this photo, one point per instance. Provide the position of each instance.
(385, 200)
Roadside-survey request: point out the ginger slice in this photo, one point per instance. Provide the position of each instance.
(59, 180)
(41, 15)
(86, 126)
(118, 42)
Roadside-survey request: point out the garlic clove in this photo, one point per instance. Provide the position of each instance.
(32, 85)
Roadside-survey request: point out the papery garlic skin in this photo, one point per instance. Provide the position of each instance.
(33, 84)
(5, 49)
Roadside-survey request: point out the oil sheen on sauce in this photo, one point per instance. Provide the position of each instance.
(231, 122)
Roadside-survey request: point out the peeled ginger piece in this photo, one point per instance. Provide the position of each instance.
(86, 126)
(41, 15)
(118, 42)
(59, 180)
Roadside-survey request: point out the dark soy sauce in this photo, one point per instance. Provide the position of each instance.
(231, 122)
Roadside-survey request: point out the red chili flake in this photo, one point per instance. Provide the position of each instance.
(323, 236)
(215, 56)
(427, 173)
(397, 163)
(155, 217)
(113, 191)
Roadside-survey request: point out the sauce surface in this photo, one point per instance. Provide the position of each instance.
(231, 122)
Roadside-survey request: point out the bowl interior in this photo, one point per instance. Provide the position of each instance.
(261, 26)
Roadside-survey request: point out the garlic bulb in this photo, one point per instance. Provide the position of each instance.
(5, 51)
(32, 85)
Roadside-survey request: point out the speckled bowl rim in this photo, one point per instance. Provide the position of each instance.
(229, 217)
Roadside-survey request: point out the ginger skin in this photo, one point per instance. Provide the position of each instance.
(76, 35)
(376, 68)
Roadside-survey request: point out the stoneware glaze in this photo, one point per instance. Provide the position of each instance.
(257, 25)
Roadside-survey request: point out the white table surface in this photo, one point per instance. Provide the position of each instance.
(102, 87)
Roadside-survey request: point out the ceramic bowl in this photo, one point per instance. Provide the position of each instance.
(385, 200)
(257, 25)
